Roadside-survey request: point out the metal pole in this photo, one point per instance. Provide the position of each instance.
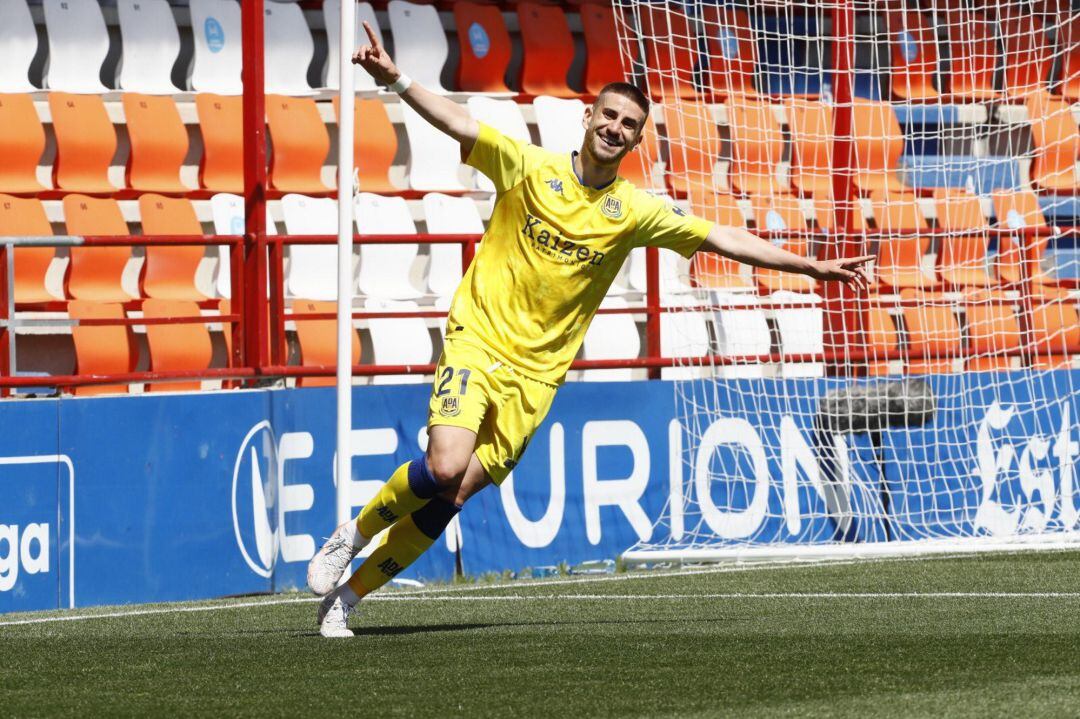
(253, 303)
(344, 259)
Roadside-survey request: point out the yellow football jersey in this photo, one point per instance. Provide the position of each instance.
(550, 252)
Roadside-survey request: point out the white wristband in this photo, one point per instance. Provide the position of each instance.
(401, 84)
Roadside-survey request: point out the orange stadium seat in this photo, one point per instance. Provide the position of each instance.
(757, 146)
(95, 272)
(902, 247)
(221, 122)
(693, 148)
(301, 144)
(101, 350)
(176, 347)
(708, 268)
(548, 49)
(992, 331)
(934, 333)
(1057, 143)
(879, 143)
(1018, 210)
(374, 146)
(603, 61)
(1070, 62)
(882, 339)
(962, 250)
(27, 217)
(485, 47)
(974, 56)
(732, 51)
(914, 55)
(159, 143)
(782, 214)
(671, 51)
(1027, 58)
(85, 143)
(169, 271)
(810, 123)
(1055, 328)
(318, 341)
(22, 141)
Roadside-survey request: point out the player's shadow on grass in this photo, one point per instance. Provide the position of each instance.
(399, 631)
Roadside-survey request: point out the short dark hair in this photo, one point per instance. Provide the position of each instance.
(631, 92)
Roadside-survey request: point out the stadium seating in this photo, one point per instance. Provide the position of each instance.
(434, 158)
(22, 142)
(671, 51)
(741, 331)
(962, 249)
(19, 39)
(693, 147)
(169, 271)
(78, 45)
(363, 82)
(882, 340)
(101, 349)
(559, 123)
(159, 143)
(757, 146)
(810, 123)
(221, 121)
(974, 55)
(611, 336)
(992, 332)
(710, 269)
(95, 273)
(419, 42)
(1056, 332)
(398, 340)
(782, 214)
(318, 341)
(902, 246)
(26, 216)
(448, 215)
(548, 50)
(801, 333)
(1027, 58)
(914, 55)
(301, 144)
(1017, 211)
(374, 145)
(674, 273)
(732, 51)
(227, 212)
(933, 337)
(289, 49)
(85, 143)
(879, 143)
(151, 43)
(504, 116)
(684, 334)
(386, 270)
(312, 273)
(1057, 143)
(176, 347)
(217, 63)
(603, 63)
(485, 47)
(1069, 73)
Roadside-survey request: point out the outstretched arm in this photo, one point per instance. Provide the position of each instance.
(443, 113)
(738, 244)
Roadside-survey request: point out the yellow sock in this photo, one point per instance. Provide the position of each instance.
(409, 488)
(402, 545)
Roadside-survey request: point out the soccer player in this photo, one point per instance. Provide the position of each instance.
(561, 228)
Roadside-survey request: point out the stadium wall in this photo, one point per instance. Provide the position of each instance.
(168, 497)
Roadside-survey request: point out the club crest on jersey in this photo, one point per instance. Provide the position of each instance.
(612, 207)
(450, 407)
(555, 185)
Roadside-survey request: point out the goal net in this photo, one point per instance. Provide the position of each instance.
(937, 411)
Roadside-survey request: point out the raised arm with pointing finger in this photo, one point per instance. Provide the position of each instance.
(443, 113)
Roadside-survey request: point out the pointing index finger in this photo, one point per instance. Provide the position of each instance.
(372, 36)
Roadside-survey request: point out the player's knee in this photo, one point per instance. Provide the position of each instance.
(446, 469)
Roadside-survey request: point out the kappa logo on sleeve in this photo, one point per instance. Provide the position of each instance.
(555, 185)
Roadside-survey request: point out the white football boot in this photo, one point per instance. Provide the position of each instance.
(329, 563)
(334, 618)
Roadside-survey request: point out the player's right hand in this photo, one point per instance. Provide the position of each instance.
(375, 59)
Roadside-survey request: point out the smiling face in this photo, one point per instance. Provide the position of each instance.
(613, 126)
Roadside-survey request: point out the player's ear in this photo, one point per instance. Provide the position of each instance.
(586, 118)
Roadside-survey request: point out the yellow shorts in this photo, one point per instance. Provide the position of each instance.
(475, 390)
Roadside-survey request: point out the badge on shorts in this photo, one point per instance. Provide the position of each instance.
(612, 207)
(450, 407)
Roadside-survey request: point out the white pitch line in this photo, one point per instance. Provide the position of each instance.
(740, 595)
(163, 610)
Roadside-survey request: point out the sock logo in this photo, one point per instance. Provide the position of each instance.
(389, 567)
(386, 515)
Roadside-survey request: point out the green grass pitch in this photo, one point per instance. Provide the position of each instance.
(990, 635)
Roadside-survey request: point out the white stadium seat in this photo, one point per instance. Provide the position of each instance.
(398, 340)
(19, 41)
(684, 334)
(312, 273)
(447, 215)
(434, 158)
(801, 332)
(215, 25)
(385, 270)
(674, 272)
(227, 211)
(559, 123)
(505, 116)
(419, 42)
(332, 18)
(78, 44)
(741, 332)
(289, 49)
(151, 45)
(611, 337)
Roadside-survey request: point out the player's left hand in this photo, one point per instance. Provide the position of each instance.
(849, 270)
